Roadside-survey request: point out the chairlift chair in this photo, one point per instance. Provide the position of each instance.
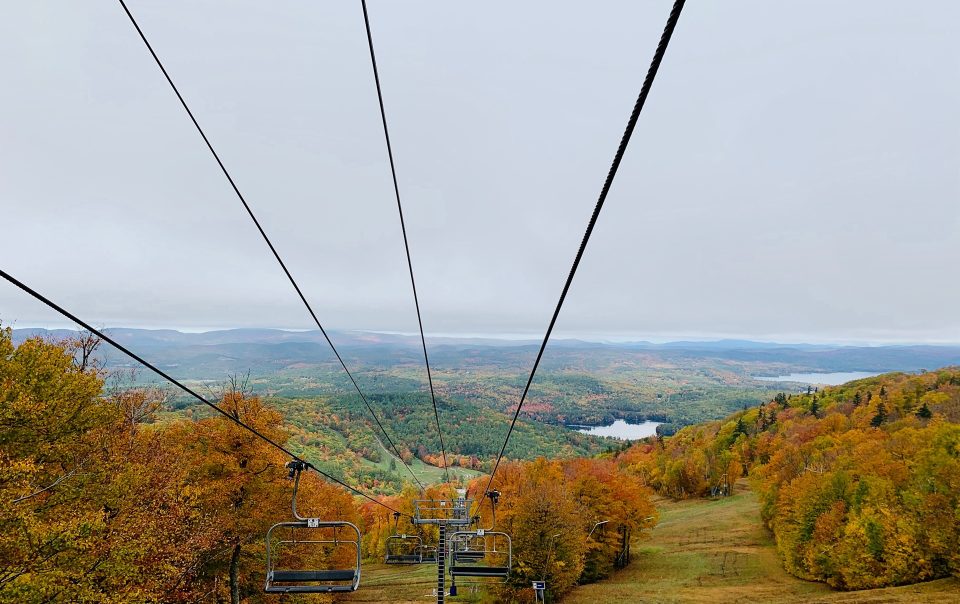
(490, 554)
(482, 552)
(315, 534)
(404, 549)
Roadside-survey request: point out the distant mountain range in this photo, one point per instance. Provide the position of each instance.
(213, 352)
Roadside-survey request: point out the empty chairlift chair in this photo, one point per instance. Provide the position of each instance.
(288, 543)
(403, 548)
(482, 552)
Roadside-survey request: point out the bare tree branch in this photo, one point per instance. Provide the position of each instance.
(46, 488)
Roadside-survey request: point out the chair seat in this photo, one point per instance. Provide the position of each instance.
(302, 576)
(479, 571)
(307, 589)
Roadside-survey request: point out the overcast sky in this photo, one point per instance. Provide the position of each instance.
(795, 174)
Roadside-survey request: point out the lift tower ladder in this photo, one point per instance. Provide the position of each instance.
(441, 564)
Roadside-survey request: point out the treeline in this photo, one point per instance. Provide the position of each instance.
(860, 483)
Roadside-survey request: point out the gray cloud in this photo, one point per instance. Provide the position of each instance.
(794, 175)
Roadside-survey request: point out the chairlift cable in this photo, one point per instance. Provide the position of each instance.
(263, 233)
(618, 157)
(181, 386)
(403, 228)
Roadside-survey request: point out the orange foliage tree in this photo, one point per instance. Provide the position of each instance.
(551, 509)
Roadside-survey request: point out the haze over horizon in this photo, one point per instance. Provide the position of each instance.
(784, 339)
(793, 177)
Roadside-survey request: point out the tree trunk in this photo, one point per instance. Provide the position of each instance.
(234, 564)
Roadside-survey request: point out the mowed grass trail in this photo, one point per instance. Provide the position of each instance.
(425, 472)
(403, 584)
(717, 552)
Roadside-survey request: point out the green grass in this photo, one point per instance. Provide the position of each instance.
(719, 551)
(407, 584)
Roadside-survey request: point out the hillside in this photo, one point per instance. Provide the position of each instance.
(718, 551)
(859, 483)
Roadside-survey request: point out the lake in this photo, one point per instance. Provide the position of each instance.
(827, 379)
(621, 429)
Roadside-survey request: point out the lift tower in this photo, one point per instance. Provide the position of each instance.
(443, 512)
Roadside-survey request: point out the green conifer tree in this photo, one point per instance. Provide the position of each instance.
(880, 417)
